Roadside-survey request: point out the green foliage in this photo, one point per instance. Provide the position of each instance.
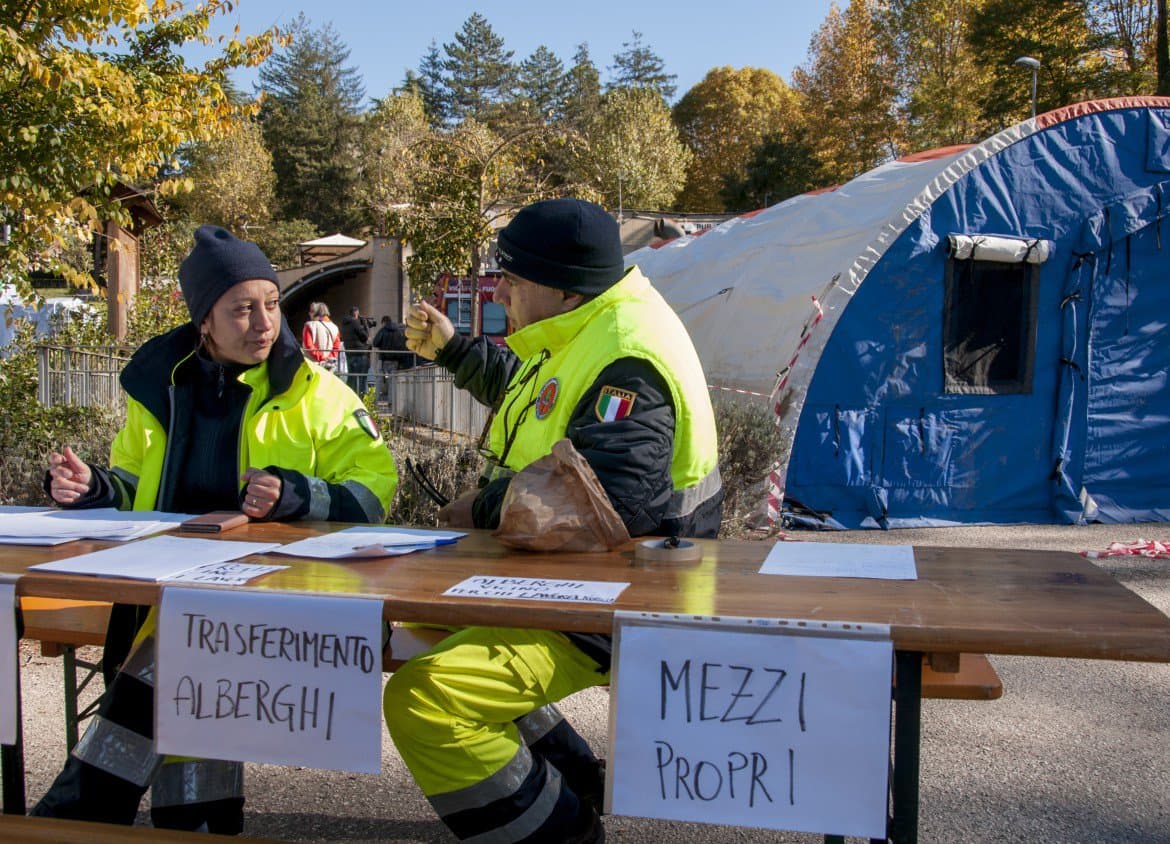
(311, 125)
(631, 133)
(30, 430)
(638, 66)
(158, 308)
(478, 76)
(583, 84)
(462, 181)
(1056, 32)
(941, 76)
(232, 180)
(783, 165)
(161, 249)
(96, 93)
(722, 120)
(278, 240)
(542, 86)
(848, 94)
(749, 443)
(390, 133)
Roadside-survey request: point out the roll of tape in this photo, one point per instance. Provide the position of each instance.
(658, 551)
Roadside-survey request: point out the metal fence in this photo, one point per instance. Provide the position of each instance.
(81, 376)
(425, 396)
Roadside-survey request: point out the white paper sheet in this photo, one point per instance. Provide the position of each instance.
(538, 589)
(224, 574)
(53, 527)
(156, 558)
(841, 559)
(365, 542)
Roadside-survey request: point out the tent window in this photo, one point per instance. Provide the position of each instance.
(989, 329)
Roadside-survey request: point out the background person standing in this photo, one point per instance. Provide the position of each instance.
(355, 334)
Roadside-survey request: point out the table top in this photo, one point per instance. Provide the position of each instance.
(1038, 603)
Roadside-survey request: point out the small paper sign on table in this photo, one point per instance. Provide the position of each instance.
(751, 723)
(538, 589)
(8, 675)
(270, 677)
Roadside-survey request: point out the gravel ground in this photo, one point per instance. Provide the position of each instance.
(1075, 751)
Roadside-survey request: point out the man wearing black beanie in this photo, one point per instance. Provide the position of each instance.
(597, 356)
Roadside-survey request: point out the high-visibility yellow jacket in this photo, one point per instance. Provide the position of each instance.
(299, 420)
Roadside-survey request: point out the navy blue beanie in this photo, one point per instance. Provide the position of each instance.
(568, 244)
(219, 261)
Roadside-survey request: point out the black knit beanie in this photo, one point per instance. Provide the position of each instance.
(219, 262)
(568, 244)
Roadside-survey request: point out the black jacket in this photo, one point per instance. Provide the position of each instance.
(355, 333)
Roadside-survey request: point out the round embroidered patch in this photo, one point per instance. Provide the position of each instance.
(547, 398)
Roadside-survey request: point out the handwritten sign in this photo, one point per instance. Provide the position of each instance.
(538, 589)
(259, 677)
(8, 675)
(753, 728)
(223, 574)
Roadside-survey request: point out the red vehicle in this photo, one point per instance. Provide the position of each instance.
(453, 297)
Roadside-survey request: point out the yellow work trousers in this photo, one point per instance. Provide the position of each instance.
(451, 709)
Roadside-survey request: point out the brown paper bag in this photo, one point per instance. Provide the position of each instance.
(557, 504)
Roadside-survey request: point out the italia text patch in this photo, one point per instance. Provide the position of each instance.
(366, 422)
(614, 404)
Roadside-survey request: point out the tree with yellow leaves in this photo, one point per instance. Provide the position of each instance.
(723, 120)
(94, 93)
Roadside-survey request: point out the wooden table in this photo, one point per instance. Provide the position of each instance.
(1032, 603)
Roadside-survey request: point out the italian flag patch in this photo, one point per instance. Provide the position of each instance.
(614, 404)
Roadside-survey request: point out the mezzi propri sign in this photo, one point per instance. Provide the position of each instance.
(779, 725)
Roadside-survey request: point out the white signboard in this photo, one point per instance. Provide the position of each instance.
(765, 728)
(538, 589)
(269, 677)
(8, 680)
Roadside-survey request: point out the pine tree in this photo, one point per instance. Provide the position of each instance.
(478, 74)
(311, 124)
(542, 85)
(433, 87)
(638, 66)
(584, 87)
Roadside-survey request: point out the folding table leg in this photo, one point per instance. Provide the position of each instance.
(12, 763)
(907, 746)
(69, 670)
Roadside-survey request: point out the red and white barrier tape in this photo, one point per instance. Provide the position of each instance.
(1141, 548)
(734, 390)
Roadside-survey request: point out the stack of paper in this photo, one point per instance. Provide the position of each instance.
(53, 527)
(365, 542)
(159, 558)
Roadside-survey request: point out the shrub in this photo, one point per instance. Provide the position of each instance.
(749, 443)
(32, 430)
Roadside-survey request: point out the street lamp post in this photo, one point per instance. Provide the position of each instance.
(1033, 65)
(619, 175)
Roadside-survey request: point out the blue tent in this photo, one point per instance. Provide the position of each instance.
(977, 334)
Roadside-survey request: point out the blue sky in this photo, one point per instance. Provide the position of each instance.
(387, 38)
